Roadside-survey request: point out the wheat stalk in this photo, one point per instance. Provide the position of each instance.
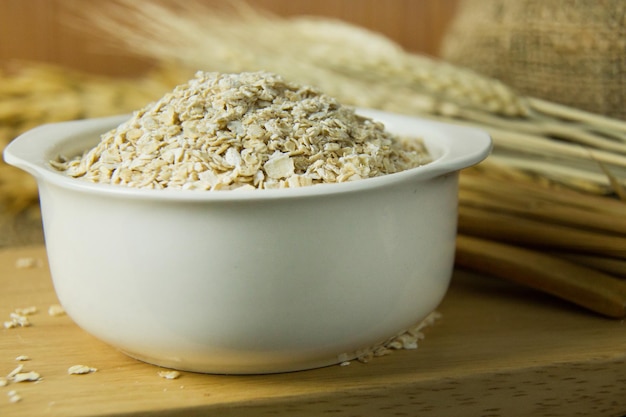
(581, 285)
(611, 266)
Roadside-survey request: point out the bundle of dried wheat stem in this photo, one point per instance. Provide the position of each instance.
(544, 210)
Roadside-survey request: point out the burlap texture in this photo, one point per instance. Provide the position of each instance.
(571, 52)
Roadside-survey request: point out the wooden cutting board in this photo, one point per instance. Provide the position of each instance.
(498, 350)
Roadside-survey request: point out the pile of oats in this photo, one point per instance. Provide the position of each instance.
(248, 130)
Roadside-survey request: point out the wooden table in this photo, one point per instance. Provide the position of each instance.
(498, 350)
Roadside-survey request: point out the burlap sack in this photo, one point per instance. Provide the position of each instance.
(567, 51)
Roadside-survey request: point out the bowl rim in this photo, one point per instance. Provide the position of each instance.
(460, 146)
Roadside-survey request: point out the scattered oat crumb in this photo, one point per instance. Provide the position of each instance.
(80, 370)
(10, 324)
(18, 320)
(26, 311)
(169, 374)
(405, 340)
(14, 397)
(22, 358)
(26, 262)
(19, 317)
(56, 310)
(26, 377)
(3, 381)
(16, 371)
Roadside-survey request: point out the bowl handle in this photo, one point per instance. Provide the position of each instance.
(32, 150)
(467, 147)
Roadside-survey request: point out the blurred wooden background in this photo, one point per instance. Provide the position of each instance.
(43, 30)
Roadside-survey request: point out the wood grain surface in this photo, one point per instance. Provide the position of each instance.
(46, 30)
(498, 350)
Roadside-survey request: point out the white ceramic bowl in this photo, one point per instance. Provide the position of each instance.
(255, 281)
